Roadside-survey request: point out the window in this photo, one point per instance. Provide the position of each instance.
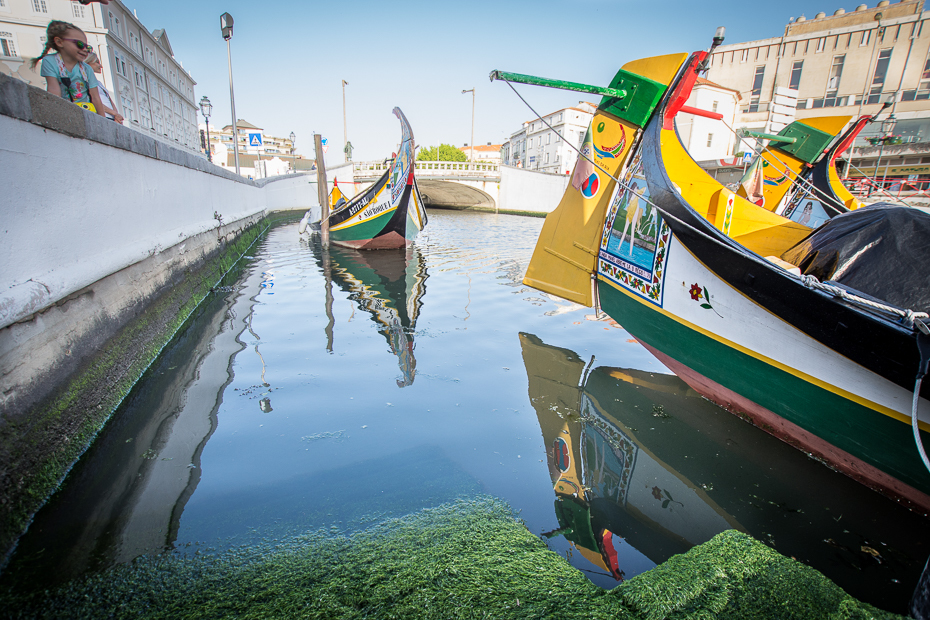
(710, 139)
(140, 77)
(821, 43)
(866, 38)
(548, 138)
(756, 93)
(77, 10)
(744, 55)
(38, 6)
(795, 80)
(547, 158)
(807, 45)
(794, 50)
(149, 56)
(923, 87)
(7, 47)
(128, 112)
(878, 79)
(120, 64)
(713, 107)
(757, 53)
(529, 143)
(836, 72)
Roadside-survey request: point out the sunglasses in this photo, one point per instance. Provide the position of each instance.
(80, 44)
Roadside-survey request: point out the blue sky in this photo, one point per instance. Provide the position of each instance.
(290, 56)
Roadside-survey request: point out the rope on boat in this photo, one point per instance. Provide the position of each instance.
(811, 282)
(916, 429)
(908, 315)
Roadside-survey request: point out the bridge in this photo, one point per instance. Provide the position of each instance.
(461, 185)
(446, 184)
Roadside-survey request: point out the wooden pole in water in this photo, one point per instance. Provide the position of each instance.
(322, 189)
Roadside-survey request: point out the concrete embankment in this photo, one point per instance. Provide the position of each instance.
(110, 239)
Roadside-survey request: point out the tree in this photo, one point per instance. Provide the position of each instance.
(447, 152)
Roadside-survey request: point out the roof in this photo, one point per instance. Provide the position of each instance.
(705, 82)
(242, 124)
(161, 37)
(483, 147)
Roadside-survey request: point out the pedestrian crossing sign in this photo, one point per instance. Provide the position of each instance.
(255, 139)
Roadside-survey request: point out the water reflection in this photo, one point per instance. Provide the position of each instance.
(126, 495)
(643, 468)
(388, 285)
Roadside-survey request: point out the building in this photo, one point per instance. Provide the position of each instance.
(707, 138)
(149, 86)
(260, 155)
(550, 150)
(847, 63)
(484, 153)
(516, 155)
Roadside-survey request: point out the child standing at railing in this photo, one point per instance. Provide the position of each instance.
(65, 73)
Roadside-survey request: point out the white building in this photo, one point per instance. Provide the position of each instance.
(703, 137)
(516, 155)
(485, 153)
(150, 88)
(260, 155)
(548, 150)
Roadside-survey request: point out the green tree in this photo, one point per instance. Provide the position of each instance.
(446, 152)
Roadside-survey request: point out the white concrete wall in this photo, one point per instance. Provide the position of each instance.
(527, 190)
(75, 211)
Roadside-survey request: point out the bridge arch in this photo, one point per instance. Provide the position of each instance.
(453, 194)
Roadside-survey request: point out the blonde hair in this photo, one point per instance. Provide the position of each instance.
(91, 59)
(55, 28)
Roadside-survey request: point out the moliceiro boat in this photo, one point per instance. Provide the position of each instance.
(817, 336)
(390, 213)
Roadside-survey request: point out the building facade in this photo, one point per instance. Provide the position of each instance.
(549, 150)
(260, 155)
(516, 154)
(707, 138)
(148, 85)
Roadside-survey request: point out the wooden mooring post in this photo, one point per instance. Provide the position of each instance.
(322, 189)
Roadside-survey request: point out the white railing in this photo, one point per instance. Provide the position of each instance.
(490, 170)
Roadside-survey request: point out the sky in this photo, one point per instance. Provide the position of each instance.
(289, 58)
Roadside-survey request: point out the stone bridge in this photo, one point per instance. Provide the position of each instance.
(460, 185)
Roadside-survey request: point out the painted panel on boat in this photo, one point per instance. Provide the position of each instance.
(804, 208)
(634, 246)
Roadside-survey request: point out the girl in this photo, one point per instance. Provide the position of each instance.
(109, 108)
(65, 73)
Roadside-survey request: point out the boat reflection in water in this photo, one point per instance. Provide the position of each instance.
(388, 285)
(644, 468)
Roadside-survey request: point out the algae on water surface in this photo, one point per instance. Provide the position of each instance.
(465, 559)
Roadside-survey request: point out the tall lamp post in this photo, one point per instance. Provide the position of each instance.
(887, 127)
(226, 27)
(206, 108)
(293, 138)
(345, 131)
(472, 91)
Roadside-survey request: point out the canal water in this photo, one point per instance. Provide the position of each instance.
(335, 390)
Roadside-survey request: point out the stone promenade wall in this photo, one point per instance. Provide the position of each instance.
(108, 241)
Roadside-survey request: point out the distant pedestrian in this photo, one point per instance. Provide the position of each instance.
(109, 108)
(65, 73)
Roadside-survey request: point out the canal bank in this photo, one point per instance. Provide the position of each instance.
(99, 271)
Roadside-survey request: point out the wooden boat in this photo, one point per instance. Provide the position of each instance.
(390, 213)
(642, 465)
(388, 286)
(696, 274)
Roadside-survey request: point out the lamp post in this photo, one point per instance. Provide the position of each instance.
(887, 127)
(206, 108)
(226, 27)
(293, 138)
(345, 131)
(472, 91)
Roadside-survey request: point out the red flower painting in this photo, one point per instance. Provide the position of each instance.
(696, 292)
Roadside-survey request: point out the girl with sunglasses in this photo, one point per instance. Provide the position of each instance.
(65, 73)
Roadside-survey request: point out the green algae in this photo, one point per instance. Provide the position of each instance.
(464, 559)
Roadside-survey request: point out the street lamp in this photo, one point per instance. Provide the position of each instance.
(206, 108)
(472, 91)
(293, 138)
(887, 128)
(345, 131)
(226, 27)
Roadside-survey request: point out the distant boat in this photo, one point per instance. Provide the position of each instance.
(388, 286)
(390, 213)
(816, 337)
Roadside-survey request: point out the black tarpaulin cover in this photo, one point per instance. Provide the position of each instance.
(882, 250)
